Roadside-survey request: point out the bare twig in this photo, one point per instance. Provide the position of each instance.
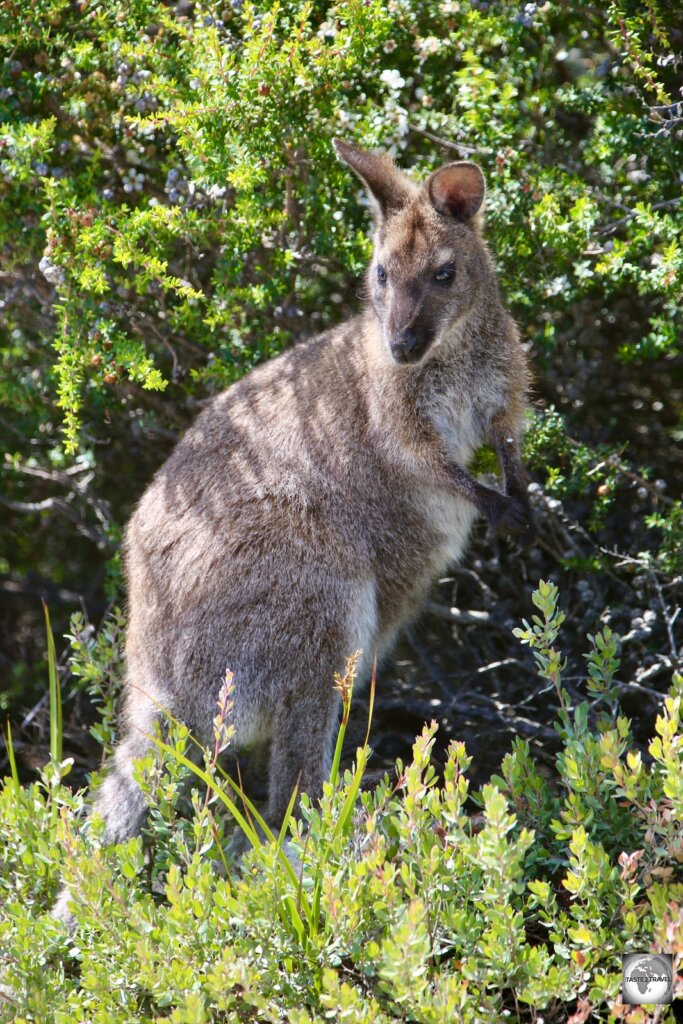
(39, 588)
(669, 619)
(58, 505)
(663, 665)
(71, 478)
(459, 147)
(441, 611)
(57, 476)
(668, 116)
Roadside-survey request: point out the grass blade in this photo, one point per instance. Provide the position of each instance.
(350, 799)
(334, 773)
(250, 832)
(295, 919)
(267, 831)
(12, 760)
(285, 820)
(371, 705)
(243, 820)
(55, 692)
(251, 809)
(289, 912)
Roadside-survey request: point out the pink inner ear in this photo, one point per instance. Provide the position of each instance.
(458, 190)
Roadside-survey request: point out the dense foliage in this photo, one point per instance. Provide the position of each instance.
(394, 904)
(172, 213)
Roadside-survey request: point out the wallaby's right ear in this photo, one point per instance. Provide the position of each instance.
(388, 187)
(457, 190)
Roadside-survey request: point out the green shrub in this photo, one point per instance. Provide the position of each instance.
(396, 904)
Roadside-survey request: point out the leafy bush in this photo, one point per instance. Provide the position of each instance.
(393, 904)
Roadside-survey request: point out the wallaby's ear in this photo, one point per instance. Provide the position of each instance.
(457, 190)
(388, 187)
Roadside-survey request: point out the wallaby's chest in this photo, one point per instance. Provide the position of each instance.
(460, 414)
(424, 533)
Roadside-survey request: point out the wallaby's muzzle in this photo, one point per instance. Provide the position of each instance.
(410, 345)
(406, 347)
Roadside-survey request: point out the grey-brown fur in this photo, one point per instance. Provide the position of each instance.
(311, 506)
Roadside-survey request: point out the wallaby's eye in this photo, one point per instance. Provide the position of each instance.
(445, 273)
(381, 274)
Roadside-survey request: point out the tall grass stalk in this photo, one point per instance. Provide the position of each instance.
(9, 745)
(55, 693)
(345, 687)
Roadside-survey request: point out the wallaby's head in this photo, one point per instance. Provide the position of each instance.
(430, 263)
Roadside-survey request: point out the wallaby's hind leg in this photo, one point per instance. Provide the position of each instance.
(305, 729)
(301, 753)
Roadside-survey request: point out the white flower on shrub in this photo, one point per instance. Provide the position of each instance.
(557, 285)
(427, 46)
(393, 79)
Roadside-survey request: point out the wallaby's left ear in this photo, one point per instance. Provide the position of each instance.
(457, 190)
(388, 187)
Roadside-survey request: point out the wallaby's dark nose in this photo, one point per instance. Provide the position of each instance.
(404, 345)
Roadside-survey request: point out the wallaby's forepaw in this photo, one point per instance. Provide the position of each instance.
(510, 516)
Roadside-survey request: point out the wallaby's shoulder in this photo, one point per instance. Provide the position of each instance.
(280, 418)
(326, 361)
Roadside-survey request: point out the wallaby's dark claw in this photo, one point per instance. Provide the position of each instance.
(510, 516)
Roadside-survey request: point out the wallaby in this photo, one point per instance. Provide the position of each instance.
(309, 509)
